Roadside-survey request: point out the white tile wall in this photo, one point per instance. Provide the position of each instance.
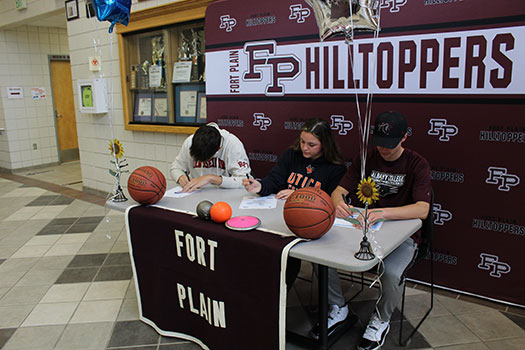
(89, 37)
(28, 121)
(24, 62)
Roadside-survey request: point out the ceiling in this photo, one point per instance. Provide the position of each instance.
(56, 19)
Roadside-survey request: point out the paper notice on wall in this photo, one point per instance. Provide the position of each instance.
(38, 93)
(15, 92)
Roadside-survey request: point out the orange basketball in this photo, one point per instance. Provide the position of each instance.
(220, 212)
(309, 212)
(146, 185)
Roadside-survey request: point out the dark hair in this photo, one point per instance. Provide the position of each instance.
(321, 129)
(206, 142)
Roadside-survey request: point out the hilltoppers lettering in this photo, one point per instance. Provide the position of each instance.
(465, 62)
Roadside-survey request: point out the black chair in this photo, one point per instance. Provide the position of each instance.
(424, 250)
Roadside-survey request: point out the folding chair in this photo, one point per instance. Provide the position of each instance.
(425, 249)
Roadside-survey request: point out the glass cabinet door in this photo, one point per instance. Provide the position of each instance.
(148, 77)
(166, 75)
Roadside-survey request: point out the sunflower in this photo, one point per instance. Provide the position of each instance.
(116, 148)
(367, 191)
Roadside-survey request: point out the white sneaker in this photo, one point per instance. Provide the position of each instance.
(336, 316)
(375, 334)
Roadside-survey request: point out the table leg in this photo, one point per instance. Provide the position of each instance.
(324, 342)
(323, 306)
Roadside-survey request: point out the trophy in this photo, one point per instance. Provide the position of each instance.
(185, 48)
(196, 55)
(157, 68)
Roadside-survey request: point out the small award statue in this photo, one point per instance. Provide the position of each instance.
(117, 151)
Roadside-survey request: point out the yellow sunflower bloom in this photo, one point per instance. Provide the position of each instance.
(116, 148)
(367, 191)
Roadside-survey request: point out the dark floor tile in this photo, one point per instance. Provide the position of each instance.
(118, 259)
(392, 340)
(53, 229)
(42, 201)
(90, 220)
(87, 260)
(5, 334)
(63, 221)
(363, 310)
(82, 228)
(80, 275)
(349, 340)
(516, 310)
(129, 333)
(114, 273)
(62, 200)
(517, 319)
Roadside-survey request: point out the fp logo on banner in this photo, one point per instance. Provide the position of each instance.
(262, 54)
(393, 4)
(227, 23)
(299, 12)
(441, 215)
(491, 262)
(500, 176)
(340, 124)
(261, 121)
(439, 127)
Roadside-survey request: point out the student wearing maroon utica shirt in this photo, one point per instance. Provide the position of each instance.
(402, 177)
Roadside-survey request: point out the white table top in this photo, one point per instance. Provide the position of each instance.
(335, 249)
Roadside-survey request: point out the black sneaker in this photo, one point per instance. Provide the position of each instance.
(336, 316)
(375, 334)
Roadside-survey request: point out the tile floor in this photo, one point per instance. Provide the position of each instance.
(66, 282)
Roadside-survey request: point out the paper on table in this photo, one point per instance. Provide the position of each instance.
(256, 202)
(343, 223)
(176, 192)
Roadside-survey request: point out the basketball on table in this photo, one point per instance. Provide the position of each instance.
(220, 212)
(309, 212)
(146, 185)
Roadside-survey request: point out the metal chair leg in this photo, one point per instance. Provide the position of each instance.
(404, 342)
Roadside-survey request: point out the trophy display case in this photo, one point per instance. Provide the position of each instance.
(162, 68)
(166, 75)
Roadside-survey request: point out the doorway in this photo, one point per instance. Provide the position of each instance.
(63, 102)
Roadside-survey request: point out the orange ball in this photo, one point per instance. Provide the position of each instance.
(220, 212)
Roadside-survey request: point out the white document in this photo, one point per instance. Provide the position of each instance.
(181, 72)
(188, 103)
(256, 202)
(343, 223)
(155, 76)
(176, 192)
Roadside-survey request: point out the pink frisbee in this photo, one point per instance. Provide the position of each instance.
(243, 223)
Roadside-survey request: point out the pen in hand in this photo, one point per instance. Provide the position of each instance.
(187, 175)
(345, 200)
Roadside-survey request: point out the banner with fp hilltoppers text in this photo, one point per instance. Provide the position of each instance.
(454, 68)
